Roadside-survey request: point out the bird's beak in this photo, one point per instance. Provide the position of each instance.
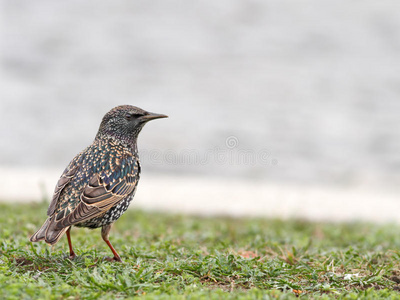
(152, 116)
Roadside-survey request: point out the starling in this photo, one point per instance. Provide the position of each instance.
(99, 183)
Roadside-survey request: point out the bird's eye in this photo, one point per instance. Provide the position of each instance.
(133, 116)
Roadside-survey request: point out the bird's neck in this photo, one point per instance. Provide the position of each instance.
(129, 142)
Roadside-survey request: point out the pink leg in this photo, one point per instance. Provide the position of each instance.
(105, 230)
(72, 254)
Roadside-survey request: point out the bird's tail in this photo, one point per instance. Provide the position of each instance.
(49, 232)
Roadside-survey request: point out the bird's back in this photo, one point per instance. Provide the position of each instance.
(111, 160)
(94, 190)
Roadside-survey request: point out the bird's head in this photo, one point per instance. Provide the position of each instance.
(125, 123)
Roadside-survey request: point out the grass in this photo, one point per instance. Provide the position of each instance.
(179, 257)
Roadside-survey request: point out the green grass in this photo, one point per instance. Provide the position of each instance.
(179, 257)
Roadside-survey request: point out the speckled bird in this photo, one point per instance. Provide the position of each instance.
(98, 185)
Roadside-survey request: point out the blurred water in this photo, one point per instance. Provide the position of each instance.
(314, 83)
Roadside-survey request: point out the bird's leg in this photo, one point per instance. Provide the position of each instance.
(72, 254)
(105, 230)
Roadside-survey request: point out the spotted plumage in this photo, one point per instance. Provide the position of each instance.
(99, 183)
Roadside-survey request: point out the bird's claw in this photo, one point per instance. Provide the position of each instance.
(113, 259)
(72, 256)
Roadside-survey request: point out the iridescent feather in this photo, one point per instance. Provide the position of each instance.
(99, 183)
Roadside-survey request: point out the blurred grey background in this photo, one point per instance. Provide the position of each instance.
(313, 86)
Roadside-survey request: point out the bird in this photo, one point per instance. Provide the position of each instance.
(99, 183)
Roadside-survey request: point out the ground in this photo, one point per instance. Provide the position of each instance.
(179, 257)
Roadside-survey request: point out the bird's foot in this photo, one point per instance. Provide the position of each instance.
(113, 259)
(72, 256)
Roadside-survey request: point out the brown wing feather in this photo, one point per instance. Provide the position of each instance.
(96, 200)
(65, 178)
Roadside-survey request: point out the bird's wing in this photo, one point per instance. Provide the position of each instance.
(105, 188)
(65, 179)
(93, 182)
(57, 201)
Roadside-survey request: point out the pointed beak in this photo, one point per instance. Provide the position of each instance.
(153, 116)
